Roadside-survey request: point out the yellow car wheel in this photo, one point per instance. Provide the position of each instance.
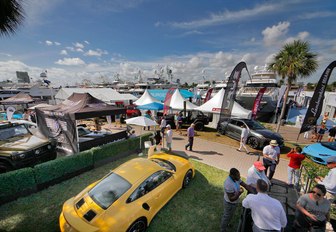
(139, 225)
(187, 178)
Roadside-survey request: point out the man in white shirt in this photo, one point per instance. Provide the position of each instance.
(271, 157)
(267, 212)
(243, 138)
(169, 137)
(256, 172)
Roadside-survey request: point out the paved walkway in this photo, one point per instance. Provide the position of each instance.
(226, 157)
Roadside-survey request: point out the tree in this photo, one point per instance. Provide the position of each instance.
(11, 16)
(294, 61)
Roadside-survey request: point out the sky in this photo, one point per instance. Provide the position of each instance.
(197, 39)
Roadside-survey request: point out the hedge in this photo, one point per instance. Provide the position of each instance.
(52, 170)
(17, 182)
(25, 181)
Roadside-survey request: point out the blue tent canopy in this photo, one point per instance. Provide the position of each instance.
(160, 94)
(151, 106)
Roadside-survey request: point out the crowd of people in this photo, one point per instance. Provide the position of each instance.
(267, 213)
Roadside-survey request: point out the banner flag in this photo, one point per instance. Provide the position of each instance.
(281, 94)
(257, 101)
(208, 95)
(230, 91)
(166, 102)
(316, 103)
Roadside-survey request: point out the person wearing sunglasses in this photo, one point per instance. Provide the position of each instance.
(312, 211)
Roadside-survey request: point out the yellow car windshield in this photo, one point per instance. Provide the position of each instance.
(109, 190)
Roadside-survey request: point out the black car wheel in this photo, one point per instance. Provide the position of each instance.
(199, 126)
(4, 168)
(187, 178)
(139, 225)
(221, 130)
(253, 142)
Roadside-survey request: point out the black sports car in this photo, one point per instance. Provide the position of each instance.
(258, 136)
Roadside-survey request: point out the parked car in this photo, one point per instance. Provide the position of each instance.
(258, 137)
(197, 117)
(84, 132)
(20, 148)
(132, 111)
(320, 152)
(129, 197)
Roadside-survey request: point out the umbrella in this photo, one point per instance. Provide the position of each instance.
(151, 106)
(141, 121)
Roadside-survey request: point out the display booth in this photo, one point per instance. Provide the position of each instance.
(60, 122)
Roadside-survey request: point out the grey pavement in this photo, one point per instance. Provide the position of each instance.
(219, 155)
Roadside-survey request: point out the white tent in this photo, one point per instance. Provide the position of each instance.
(214, 106)
(107, 95)
(145, 99)
(176, 102)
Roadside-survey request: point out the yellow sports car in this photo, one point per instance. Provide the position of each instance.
(129, 197)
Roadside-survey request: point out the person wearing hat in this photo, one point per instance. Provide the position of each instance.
(271, 157)
(329, 181)
(169, 137)
(254, 173)
(296, 158)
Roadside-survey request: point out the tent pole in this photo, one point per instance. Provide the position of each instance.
(77, 136)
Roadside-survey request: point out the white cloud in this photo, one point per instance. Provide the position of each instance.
(49, 43)
(79, 45)
(64, 52)
(70, 61)
(57, 43)
(317, 14)
(227, 17)
(97, 52)
(87, 42)
(79, 50)
(272, 35)
(72, 49)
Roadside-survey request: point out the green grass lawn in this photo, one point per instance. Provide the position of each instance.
(197, 208)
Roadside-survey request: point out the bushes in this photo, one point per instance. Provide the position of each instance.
(62, 167)
(13, 184)
(24, 181)
(315, 169)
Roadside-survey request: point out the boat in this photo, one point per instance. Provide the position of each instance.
(247, 94)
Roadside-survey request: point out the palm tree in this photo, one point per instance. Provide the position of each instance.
(11, 16)
(294, 61)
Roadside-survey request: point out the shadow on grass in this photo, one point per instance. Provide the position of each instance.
(199, 207)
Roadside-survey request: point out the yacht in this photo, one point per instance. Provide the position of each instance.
(247, 94)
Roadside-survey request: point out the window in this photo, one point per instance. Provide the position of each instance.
(165, 164)
(149, 184)
(109, 190)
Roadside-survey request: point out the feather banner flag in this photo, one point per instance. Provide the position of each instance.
(230, 91)
(316, 103)
(166, 103)
(257, 101)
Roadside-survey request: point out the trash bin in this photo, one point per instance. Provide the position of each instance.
(282, 122)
